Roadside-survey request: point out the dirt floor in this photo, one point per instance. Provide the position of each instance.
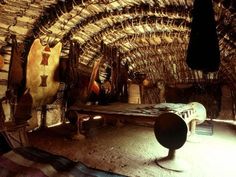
(132, 150)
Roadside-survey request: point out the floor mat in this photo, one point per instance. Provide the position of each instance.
(30, 161)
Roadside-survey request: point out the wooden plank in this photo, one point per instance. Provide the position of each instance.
(3, 75)
(20, 30)
(142, 112)
(5, 67)
(3, 88)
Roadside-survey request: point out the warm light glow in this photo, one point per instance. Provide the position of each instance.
(97, 117)
(54, 125)
(49, 126)
(233, 122)
(86, 119)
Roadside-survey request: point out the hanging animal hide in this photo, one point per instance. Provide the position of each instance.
(2, 114)
(93, 75)
(23, 108)
(122, 83)
(203, 49)
(71, 73)
(15, 76)
(42, 72)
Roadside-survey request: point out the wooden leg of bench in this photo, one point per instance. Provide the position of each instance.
(193, 136)
(104, 122)
(193, 125)
(78, 135)
(119, 123)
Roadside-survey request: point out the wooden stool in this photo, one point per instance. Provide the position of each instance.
(16, 135)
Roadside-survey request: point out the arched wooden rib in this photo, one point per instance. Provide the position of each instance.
(139, 7)
(115, 33)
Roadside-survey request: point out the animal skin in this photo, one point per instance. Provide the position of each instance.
(42, 72)
(1, 62)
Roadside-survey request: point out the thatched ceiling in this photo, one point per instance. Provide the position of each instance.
(151, 36)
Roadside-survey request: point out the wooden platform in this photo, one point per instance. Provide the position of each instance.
(144, 112)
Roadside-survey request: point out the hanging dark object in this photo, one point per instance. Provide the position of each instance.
(15, 76)
(203, 49)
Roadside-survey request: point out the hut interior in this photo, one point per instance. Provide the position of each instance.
(136, 88)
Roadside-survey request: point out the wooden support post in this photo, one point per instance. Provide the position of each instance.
(193, 137)
(193, 124)
(44, 117)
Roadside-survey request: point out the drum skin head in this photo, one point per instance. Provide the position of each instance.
(170, 130)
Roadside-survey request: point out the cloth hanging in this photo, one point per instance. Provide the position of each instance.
(203, 49)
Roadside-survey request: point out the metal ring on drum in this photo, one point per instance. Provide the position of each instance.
(171, 132)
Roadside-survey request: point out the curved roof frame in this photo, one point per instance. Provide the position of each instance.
(116, 34)
(65, 24)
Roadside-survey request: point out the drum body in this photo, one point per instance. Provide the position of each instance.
(171, 127)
